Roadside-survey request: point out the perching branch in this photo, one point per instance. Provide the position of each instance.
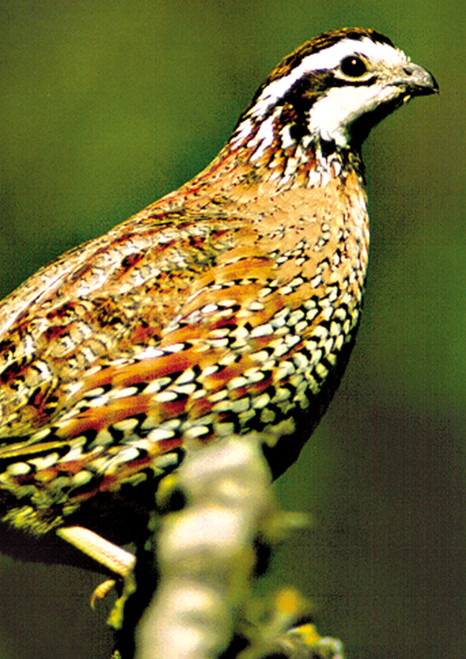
(207, 556)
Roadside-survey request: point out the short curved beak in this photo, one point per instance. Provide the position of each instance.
(417, 80)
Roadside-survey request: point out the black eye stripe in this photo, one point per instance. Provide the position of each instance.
(338, 82)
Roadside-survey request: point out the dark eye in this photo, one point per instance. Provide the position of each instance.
(353, 66)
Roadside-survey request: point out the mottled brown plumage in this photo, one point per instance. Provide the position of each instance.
(228, 306)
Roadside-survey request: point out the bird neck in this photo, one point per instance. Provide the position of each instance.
(254, 159)
(261, 153)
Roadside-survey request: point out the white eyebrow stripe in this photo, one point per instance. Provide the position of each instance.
(328, 58)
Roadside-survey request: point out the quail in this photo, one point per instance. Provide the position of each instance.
(228, 306)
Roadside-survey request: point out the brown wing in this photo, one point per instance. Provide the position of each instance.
(101, 301)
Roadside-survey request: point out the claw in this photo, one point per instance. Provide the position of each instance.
(102, 591)
(115, 618)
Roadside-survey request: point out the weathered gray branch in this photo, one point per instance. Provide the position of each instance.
(207, 555)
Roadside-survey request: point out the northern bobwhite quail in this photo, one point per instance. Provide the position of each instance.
(228, 306)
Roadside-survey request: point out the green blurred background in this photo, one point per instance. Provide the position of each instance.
(107, 105)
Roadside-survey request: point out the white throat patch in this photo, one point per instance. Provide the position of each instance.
(331, 116)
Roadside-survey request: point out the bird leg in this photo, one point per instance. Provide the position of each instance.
(112, 557)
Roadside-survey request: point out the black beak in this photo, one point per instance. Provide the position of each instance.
(417, 80)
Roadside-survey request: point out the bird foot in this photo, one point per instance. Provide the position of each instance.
(113, 558)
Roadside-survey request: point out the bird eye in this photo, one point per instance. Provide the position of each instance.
(353, 66)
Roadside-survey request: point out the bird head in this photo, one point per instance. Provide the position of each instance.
(333, 89)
